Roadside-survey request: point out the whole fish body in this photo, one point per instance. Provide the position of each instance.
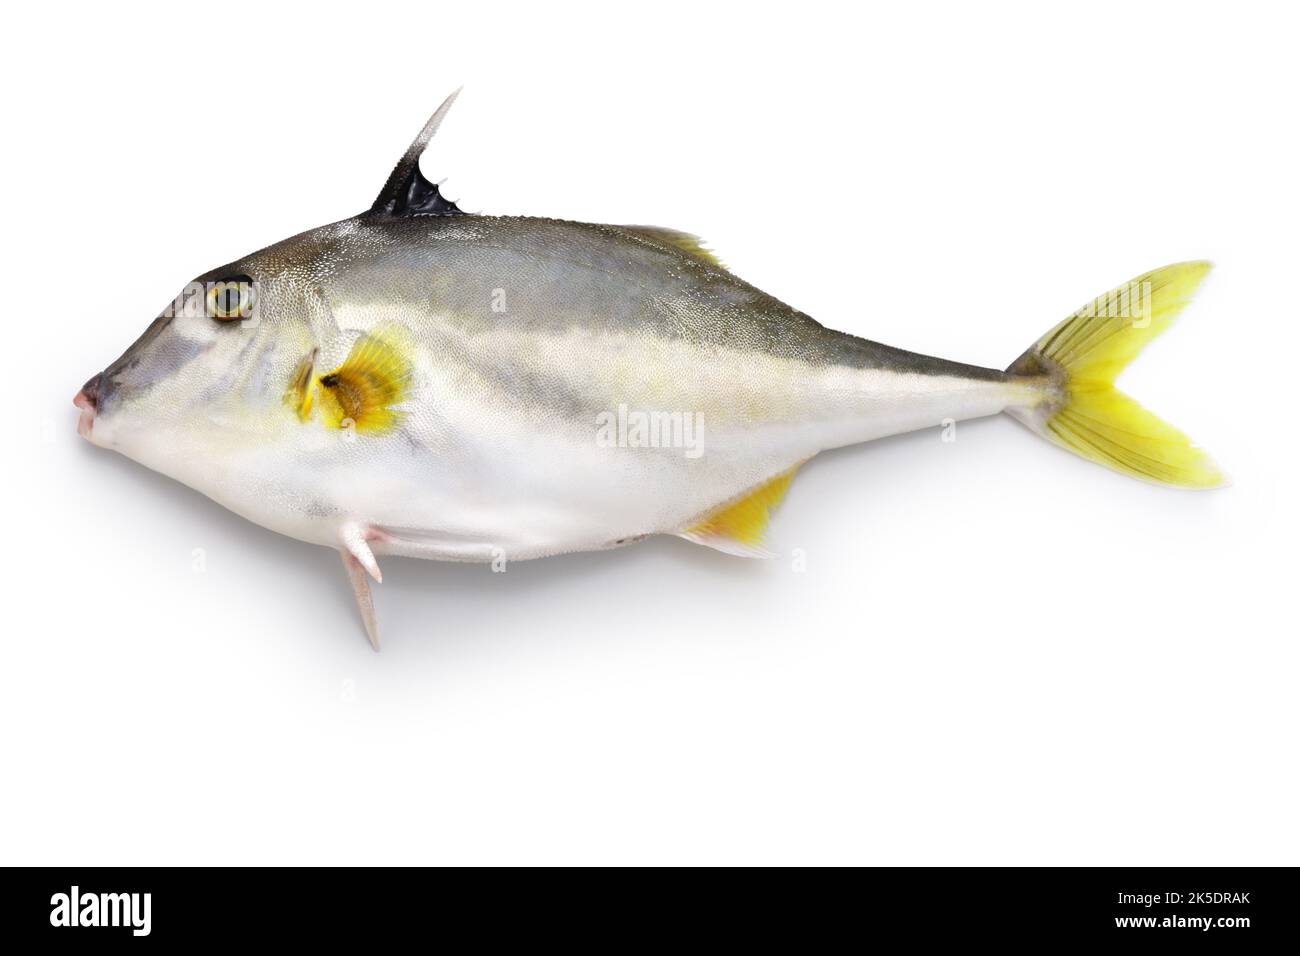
(417, 381)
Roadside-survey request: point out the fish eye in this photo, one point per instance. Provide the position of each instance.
(230, 298)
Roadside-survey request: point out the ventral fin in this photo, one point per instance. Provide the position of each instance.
(408, 192)
(365, 600)
(376, 376)
(740, 527)
(693, 246)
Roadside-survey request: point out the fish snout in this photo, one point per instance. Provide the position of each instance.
(89, 394)
(87, 401)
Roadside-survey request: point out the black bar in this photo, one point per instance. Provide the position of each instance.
(1228, 908)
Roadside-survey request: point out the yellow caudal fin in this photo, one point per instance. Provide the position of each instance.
(1078, 362)
(740, 527)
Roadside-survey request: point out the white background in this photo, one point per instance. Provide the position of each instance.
(997, 653)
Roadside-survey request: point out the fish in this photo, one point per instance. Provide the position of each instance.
(423, 382)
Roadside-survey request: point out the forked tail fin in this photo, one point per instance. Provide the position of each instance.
(1079, 361)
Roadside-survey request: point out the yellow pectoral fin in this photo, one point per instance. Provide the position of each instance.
(740, 527)
(362, 392)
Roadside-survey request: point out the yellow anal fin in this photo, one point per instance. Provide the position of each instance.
(362, 392)
(740, 527)
(691, 245)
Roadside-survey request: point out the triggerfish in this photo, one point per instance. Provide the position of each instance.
(424, 382)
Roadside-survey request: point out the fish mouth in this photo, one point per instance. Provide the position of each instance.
(87, 402)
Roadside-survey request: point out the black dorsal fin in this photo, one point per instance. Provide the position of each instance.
(408, 192)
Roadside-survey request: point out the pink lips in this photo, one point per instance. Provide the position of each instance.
(87, 419)
(88, 401)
